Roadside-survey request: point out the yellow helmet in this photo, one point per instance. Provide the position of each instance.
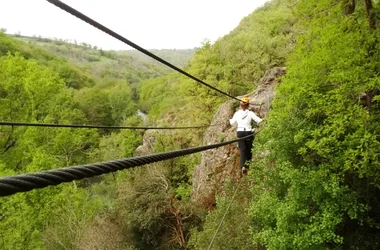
(245, 100)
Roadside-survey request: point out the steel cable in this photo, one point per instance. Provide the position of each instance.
(26, 182)
(28, 124)
(99, 26)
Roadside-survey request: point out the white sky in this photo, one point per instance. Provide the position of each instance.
(152, 24)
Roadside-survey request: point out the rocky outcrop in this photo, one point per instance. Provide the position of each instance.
(147, 145)
(222, 164)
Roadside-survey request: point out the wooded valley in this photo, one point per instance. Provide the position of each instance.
(314, 181)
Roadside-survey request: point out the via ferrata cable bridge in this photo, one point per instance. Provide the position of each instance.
(26, 182)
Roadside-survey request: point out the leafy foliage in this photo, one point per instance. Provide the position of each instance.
(319, 186)
(227, 227)
(153, 217)
(33, 93)
(71, 76)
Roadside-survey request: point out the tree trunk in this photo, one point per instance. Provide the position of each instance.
(349, 6)
(370, 14)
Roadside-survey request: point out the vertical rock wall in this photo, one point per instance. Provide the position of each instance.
(222, 164)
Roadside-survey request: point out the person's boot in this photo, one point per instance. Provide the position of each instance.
(244, 170)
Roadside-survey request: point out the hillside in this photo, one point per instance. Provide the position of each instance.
(100, 63)
(177, 57)
(105, 62)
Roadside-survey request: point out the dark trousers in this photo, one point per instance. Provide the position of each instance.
(245, 147)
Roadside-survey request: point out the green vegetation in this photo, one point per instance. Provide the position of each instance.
(234, 232)
(317, 187)
(37, 86)
(33, 93)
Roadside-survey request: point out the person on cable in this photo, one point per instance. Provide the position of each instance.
(243, 118)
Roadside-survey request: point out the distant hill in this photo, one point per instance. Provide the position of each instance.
(116, 64)
(179, 58)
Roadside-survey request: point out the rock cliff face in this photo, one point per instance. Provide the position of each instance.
(222, 164)
(147, 145)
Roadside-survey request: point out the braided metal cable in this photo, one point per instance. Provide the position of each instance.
(26, 124)
(26, 182)
(97, 25)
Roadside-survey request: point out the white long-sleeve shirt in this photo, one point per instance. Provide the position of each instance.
(243, 119)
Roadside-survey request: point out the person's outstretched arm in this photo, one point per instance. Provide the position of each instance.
(233, 120)
(256, 118)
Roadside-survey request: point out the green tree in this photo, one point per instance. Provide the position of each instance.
(152, 216)
(95, 105)
(121, 103)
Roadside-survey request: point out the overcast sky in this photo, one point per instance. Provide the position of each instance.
(152, 24)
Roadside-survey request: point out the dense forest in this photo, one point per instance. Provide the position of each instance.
(316, 187)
